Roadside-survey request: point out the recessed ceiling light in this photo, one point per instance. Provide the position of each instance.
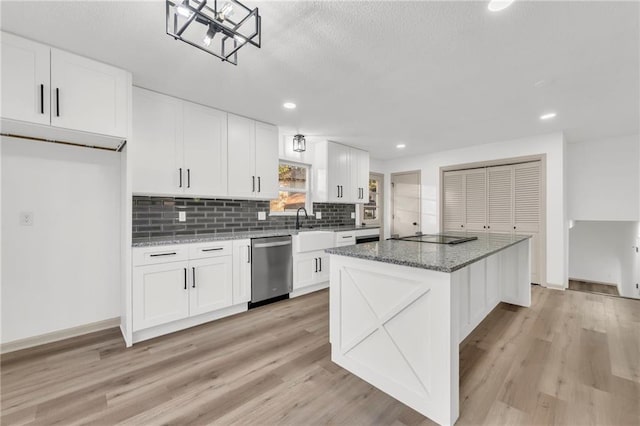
(289, 105)
(498, 5)
(548, 116)
(400, 146)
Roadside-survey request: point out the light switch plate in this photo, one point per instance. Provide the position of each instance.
(318, 215)
(353, 215)
(182, 216)
(26, 218)
(262, 215)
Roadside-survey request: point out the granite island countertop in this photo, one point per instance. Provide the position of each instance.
(205, 238)
(437, 257)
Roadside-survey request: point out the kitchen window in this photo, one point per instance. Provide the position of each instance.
(370, 212)
(294, 189)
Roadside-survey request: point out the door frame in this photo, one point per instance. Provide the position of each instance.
(391, 202)
(542, 259)
(381, 191)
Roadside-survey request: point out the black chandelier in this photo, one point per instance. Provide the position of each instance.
(224, 26)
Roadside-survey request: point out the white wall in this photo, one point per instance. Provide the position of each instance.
(602, 251)
(64, 271)
(604, 179)
(553, 145)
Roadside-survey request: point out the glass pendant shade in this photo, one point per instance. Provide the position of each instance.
(299, 143)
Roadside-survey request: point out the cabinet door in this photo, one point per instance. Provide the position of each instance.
(25, 80)
(156, 145)
(242, 181)
(266, 161)
(338, 161)
(500, 199)
(211, 284)
(453, 201)
(475, 188)
(304, 270)
(160, 294)
(88, 95)
(359, 175)
(241, 271)
(323, 268)
(205, 150)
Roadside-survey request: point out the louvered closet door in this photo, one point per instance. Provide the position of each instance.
(500, 199)
(527, 205)
(476, 199)
(453, 199)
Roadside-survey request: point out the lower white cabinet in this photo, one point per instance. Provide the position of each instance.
(171, 285)
(310, 269)
(160, 294)
(241, 271)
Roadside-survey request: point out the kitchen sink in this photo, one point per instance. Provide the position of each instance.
(313, 240)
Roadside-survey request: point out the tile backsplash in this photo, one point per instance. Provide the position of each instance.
(157, 217)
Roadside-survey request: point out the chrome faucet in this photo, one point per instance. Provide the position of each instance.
(306, 216)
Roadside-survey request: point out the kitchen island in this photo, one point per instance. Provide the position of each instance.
(399, 310)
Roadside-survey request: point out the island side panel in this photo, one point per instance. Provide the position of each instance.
(396, 327)
(515, 274)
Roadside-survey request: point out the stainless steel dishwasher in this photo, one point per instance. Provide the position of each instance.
(271, 269)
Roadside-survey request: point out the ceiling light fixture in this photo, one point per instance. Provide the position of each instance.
(401, 146)
(548, 116)
(289, 105)
(498, 5)
(186, 19)
(299, 143)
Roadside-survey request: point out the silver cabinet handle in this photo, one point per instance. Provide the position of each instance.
(284, 243)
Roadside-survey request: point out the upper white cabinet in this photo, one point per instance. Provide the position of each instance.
(252, 158)
(341, 173)
(61, 91)
(178, 148)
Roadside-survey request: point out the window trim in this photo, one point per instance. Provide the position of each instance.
(307, 190)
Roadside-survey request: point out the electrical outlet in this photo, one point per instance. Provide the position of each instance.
(318, 215)
(182, 216)
(262, 215)
(353, 215)
(26, 218)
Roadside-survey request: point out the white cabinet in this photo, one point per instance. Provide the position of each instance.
(341, 173)
(345, 238)
(25, 79)
(310, 269)
(177, 282)
(359, 160)
(178, 148)
(252, 158)
(160, 294)
(241, 271)
(60, 90)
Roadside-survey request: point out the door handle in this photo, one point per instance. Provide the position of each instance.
(42, 99)
(185, 278)
(194, 277)
(180, 171)
(316, 260)
(57, 102)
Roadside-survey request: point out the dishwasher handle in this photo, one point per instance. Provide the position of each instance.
(278, 244)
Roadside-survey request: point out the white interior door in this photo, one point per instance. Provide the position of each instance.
(475, 187)
(405, 196)
(500, 199)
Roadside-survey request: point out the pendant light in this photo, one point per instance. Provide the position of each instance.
(299, 143)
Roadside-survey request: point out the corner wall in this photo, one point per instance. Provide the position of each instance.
(553, 145)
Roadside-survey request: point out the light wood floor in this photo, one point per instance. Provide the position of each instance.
(572, 358)
(590, 287)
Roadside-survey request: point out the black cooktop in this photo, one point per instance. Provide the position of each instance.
(437, 239)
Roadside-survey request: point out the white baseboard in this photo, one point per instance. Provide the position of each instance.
(67, 333)
(555, 286)
(310, 289)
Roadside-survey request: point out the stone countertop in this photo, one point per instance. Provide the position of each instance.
(437, 257)
(191, 239)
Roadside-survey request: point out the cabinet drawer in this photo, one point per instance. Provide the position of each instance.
(345, 238)
(212, 249)
(159, 254)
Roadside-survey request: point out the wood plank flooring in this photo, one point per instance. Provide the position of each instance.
(590, 287)
(571, 359)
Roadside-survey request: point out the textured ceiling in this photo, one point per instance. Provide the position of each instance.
(432, 75)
